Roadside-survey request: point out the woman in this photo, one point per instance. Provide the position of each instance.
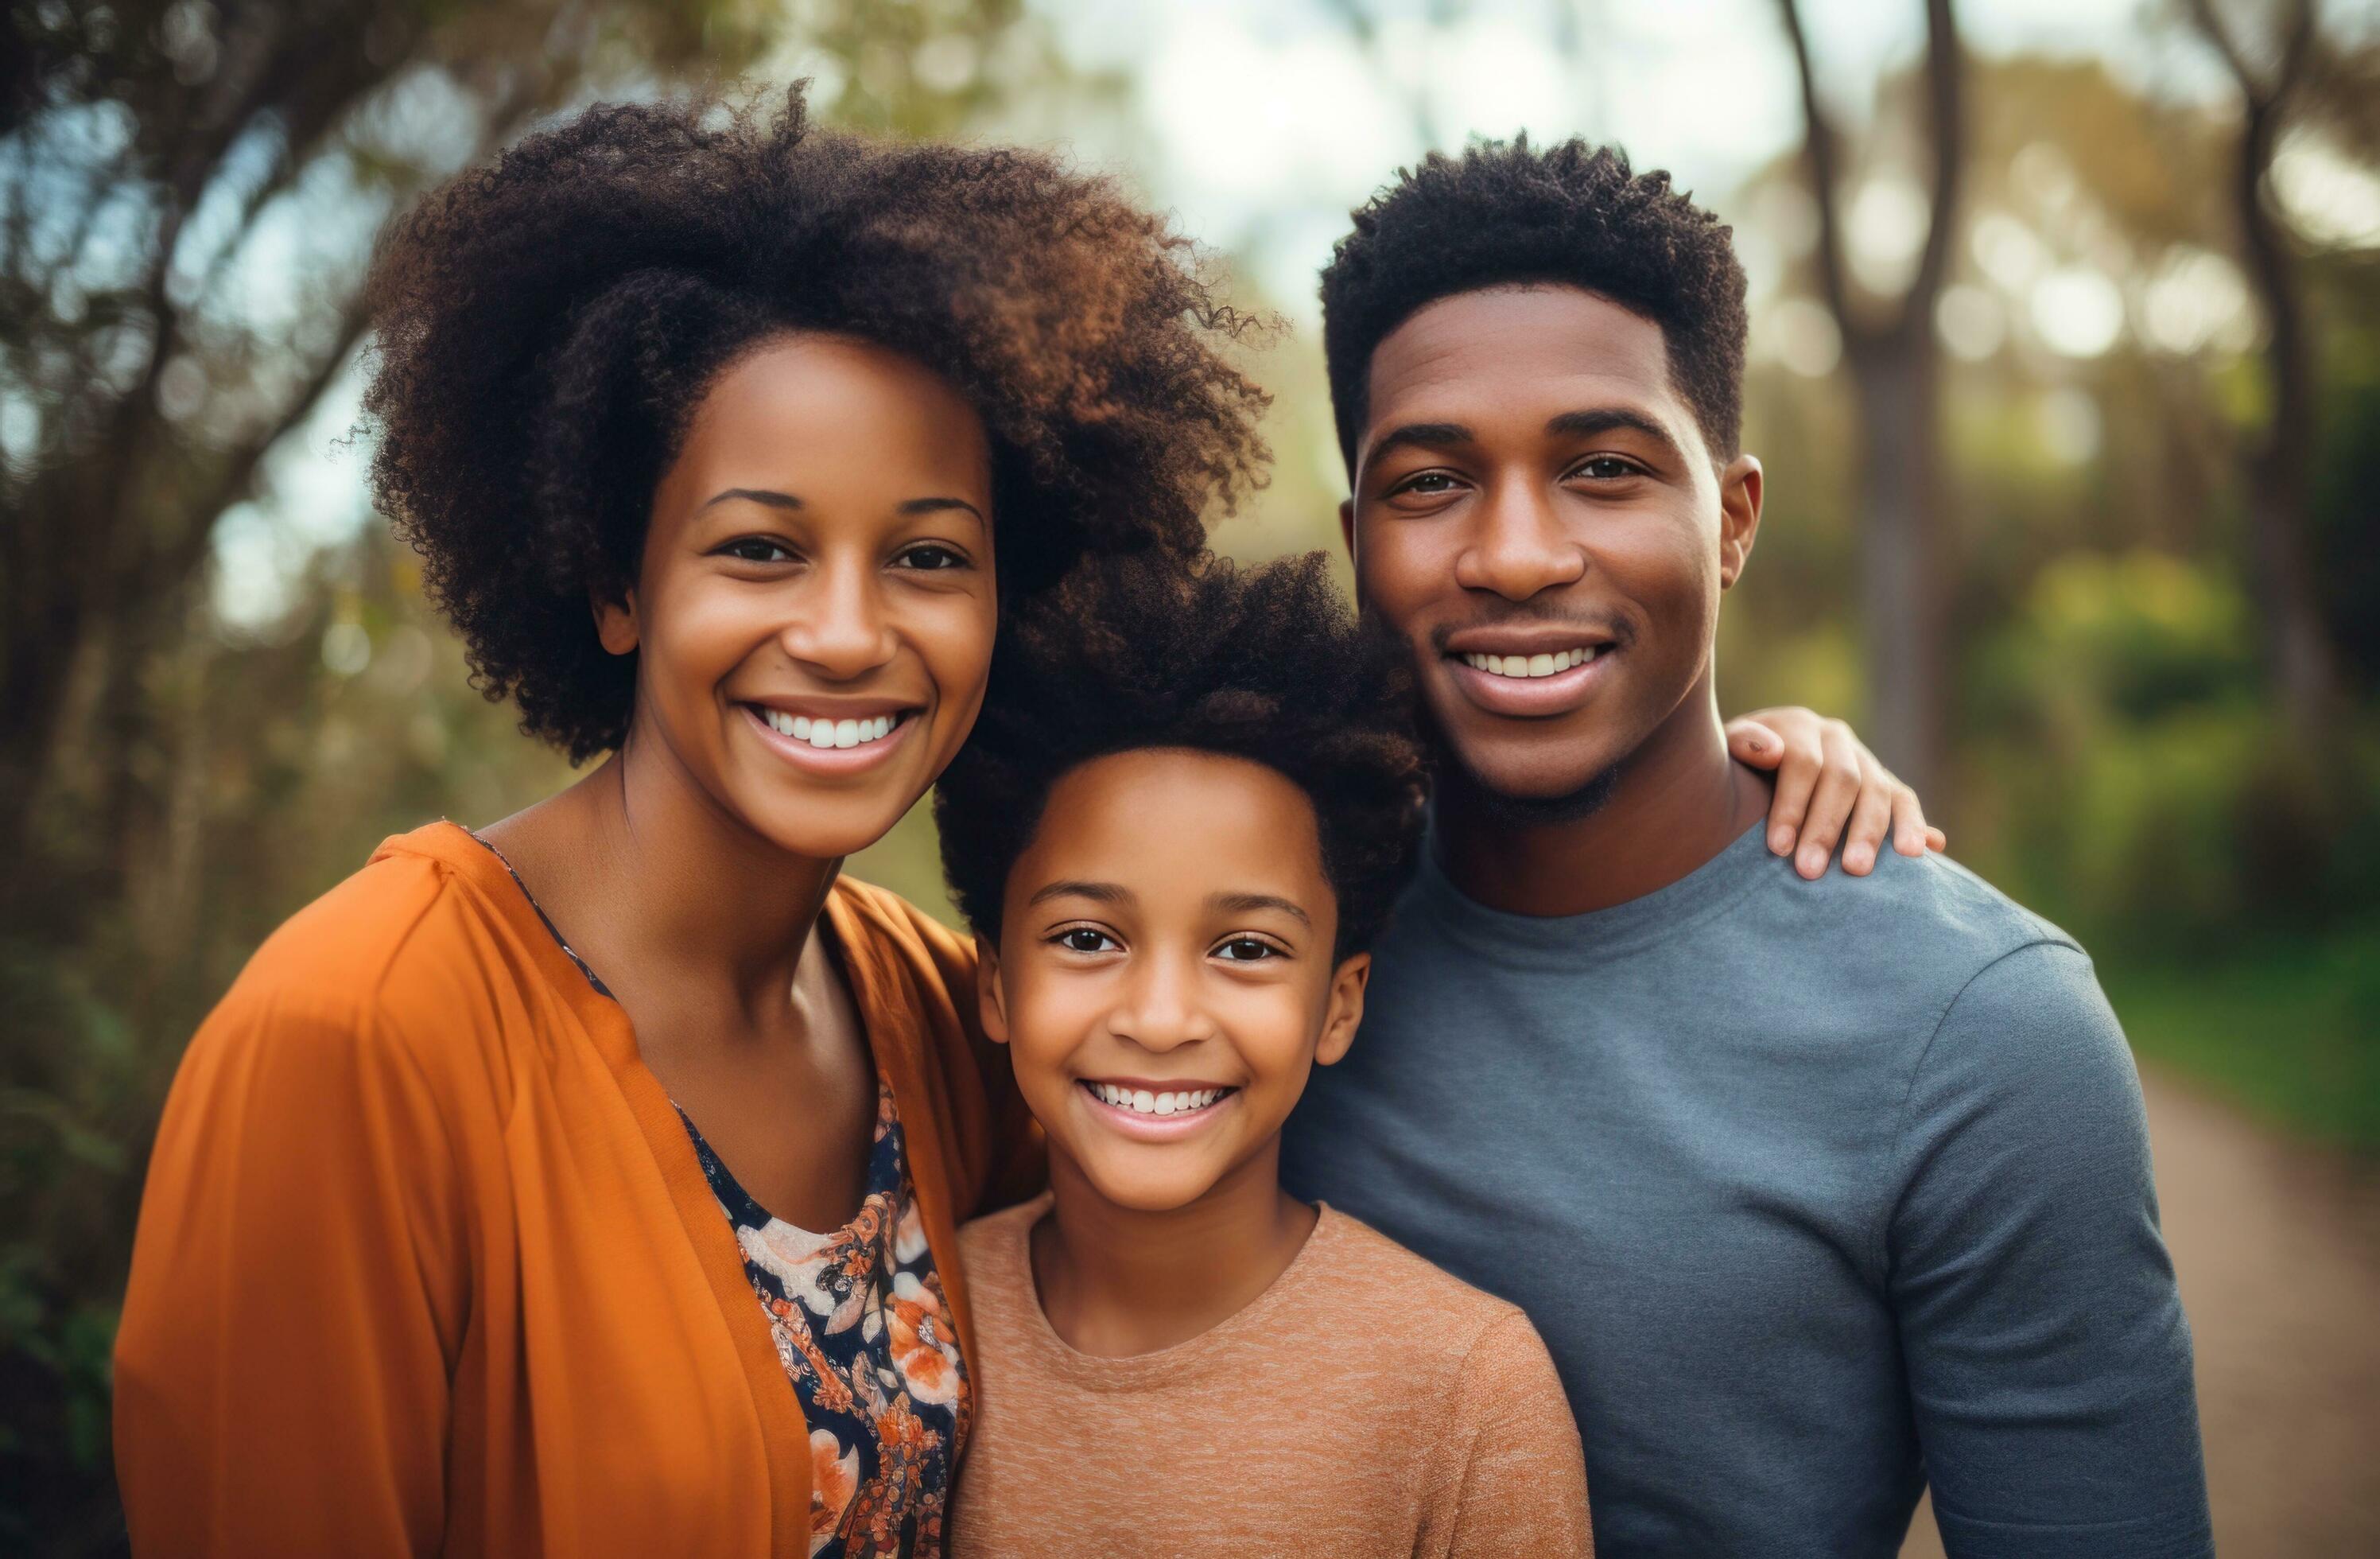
(498, 1202)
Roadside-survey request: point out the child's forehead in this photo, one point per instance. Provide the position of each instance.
(1178, 813)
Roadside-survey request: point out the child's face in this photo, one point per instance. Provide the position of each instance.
(1164, 978)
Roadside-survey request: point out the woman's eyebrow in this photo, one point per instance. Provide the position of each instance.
(1240, 904)
(935, 505)
(770, 496)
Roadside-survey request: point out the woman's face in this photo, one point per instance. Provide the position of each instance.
(815, 608)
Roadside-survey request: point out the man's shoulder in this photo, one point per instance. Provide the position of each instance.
(1932, 905)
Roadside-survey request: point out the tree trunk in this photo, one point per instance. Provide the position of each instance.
(1896, 374)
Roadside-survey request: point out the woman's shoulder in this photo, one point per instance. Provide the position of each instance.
(900, 928)
(402, 945)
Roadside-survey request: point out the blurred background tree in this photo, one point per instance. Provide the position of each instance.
(2065, 371)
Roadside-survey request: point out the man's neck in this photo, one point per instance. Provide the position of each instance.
(1678, 800)
(1116, 1282)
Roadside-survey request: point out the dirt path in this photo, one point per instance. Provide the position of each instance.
(2278, 1252)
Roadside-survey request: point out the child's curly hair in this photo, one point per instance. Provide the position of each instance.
(1268, 664)
(547, 323)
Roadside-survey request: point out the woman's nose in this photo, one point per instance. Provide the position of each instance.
(839, 628)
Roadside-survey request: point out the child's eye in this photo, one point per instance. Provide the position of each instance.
(1084, 939)
(1248, 949)
(933, 558)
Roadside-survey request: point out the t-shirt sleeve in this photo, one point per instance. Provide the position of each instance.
(2048, 1360)
(281, 1368)
(1508, 1477)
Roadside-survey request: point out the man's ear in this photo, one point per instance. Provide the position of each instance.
(615, 623)
(1340, 1018)
(1739, 516)
(990, 1001)
(1347, 526)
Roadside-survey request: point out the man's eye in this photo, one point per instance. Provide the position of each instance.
(1083, 939)
(1605, 467)
(1246, 949)
(756, 549)
(1428, 485)
(932, 558)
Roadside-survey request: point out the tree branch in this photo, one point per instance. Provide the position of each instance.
(1823, 156)
(1945, 99)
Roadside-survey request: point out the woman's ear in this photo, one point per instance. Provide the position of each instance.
(991, 1002)
(615, 623)
(1340, 1018)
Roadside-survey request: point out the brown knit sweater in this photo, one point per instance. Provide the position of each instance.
(1366, 1403)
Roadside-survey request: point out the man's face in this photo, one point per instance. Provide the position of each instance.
(1536, 510)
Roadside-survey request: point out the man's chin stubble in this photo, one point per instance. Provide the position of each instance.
(1509, 810)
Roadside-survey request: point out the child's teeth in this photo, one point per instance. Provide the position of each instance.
(1142, 1102)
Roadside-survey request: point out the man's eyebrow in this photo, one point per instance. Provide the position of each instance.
(1240, 904)
(1609, 418)
(774, 499)
(1419, 435)
(1103, 893)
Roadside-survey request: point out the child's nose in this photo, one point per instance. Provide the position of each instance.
(1162, 1010)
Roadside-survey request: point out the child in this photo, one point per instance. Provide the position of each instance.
(1181, 821)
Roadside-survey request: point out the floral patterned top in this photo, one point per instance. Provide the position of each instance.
(865, 1332)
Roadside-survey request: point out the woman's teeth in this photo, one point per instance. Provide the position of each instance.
(1140, 1102)
(1534, 665)
(830, 733)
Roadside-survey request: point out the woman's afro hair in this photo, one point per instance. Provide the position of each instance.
(1505, 214)
(547, 323)
(1139, 651)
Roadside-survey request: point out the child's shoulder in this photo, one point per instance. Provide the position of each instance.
(1398, 1298)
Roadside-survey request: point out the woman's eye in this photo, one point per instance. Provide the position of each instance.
(1083, 939)
(933, 559)
(1246, 949)
(756, 549)
(1605, 467)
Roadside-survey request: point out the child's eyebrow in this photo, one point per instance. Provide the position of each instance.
(1104, 893)
(1240, 904)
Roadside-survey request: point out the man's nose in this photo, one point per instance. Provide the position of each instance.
(1519, 547)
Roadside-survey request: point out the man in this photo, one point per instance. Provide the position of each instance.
(1820, 1191)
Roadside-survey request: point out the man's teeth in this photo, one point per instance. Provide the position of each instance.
(1140, 1102)
(1534, 665)
(830, 733)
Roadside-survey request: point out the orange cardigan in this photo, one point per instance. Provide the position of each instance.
(426, 1264)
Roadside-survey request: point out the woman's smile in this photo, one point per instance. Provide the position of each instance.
(830, 744)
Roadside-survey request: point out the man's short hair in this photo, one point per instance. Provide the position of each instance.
(1508, 214)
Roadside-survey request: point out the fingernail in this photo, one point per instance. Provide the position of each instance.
(1813, 862)
(1859, 857)
(1754, 744)
(1780, 839)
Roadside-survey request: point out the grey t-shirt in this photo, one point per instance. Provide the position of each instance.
(1817, 1192)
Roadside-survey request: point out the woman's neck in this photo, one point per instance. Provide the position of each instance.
(1116, 1281)
(651, 880)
